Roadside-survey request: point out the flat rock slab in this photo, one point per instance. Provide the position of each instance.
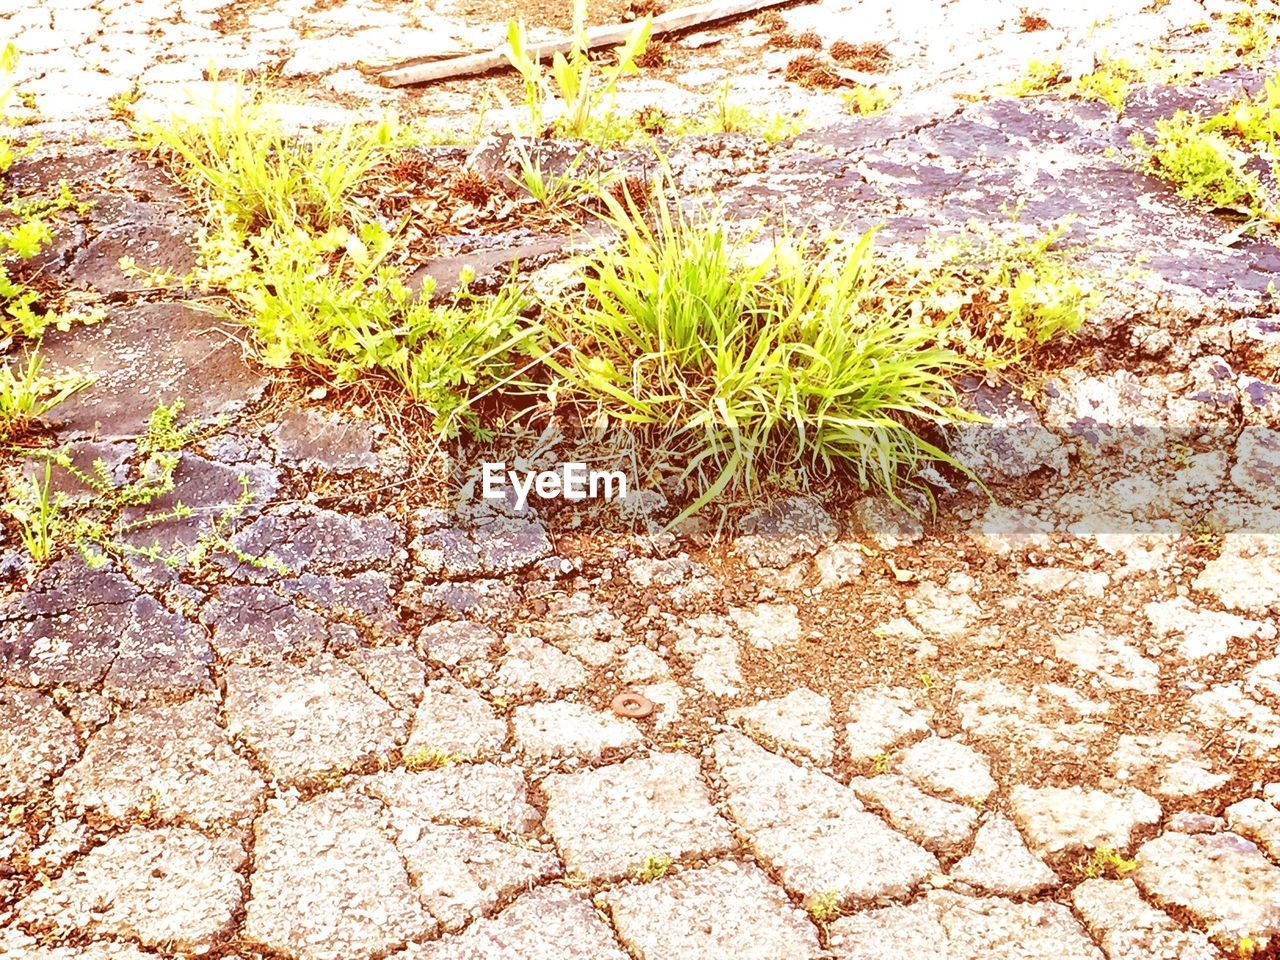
(36, 742)
(164, 763)
(880, 719)
(311, 440)
(551, 923)
(328, 883)
(81, 627)
(607, 822)
(252, 624)
(1221, 879)
(813, 830)
(1001, 864)
(171, 888)
(727, 910)
(482, 794)
(940, 826)
(1073, 820)
(455, 720)
(566, 729)
(945, 924)
(309, 723)
(1129, 928)
(800, 721)
(466, 872)
(144, 355)
(949, 768)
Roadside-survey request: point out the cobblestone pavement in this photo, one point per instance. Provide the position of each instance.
(1046, 726)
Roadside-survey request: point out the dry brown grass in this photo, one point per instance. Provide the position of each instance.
(870, 57)
(1031, 22)
(813, 72)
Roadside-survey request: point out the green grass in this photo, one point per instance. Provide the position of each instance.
(746, 359)
(27, 393)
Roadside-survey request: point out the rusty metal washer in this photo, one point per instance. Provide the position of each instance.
(631, 704)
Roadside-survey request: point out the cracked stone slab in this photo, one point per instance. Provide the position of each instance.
(799, 721)
(1175, 761)
(709, 645)
(1050, 718)
(253, 624)
(1258, 821)
(36, 742)
(308, 539)
(1073, 820)
(768, 625)
(1001, 864)
(146, 354)
(167, 763)
(1204, 633)
(566, 729)
(456, 720)
(14, 943)
(532, 665)
(78, 626)
(1221, 880)
(483, 794)
(308, 723)
(606, 822)
(170, 887)
(781, 533)
(1245, 576)
(813, 830)
(880, 719)
(550, 923)
(1113, 659)
(949, 768)
(956, 927)
(1129, 928)
(940, 826)
(457, 643)
(328, 883)
(394, 674)
(311, 440)
(729, 909)
(465, 872)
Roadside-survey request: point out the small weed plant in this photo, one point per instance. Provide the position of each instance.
(1106, 862)
(583, 94)
(26, 230)
(1216, 160)
(306, 271)
(655, 867)
(102, 517)
(867, 101)
(824, 907)
(27, 393)
(748, 358)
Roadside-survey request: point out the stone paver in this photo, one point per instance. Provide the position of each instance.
(170, 887)
(879, 719)
(464, 872)
(566, 729)
(549, 922)
(534, 666)
(163, 763)
(328, 883)
(956, 927)
(1129, 928)
(482, 793)
(607, 822)
(1221, 879)
(938, 825)
(1001, 864)
(949, 768)
(1257, 820)
(812, 830)
(799, 721)
(454, 719)
(1071, 819)
(36, 742)
(726, 910)
(310, 722)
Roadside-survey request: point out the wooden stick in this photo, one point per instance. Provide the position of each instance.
(474, 63)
